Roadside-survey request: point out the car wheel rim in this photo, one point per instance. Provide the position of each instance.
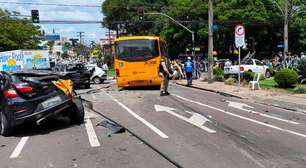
(97, 80)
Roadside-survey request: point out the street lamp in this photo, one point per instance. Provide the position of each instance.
(177, 22)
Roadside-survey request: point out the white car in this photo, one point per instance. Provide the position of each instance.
(252, 65)
(98, 75)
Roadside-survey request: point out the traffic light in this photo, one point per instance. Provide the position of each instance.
(35, 16)
(141, 13)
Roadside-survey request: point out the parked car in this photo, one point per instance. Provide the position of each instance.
(252, 65)
(32, 97)
(76, 72)
(97, 74)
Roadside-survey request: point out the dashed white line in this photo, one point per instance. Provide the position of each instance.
(151, 126)
(241, 117)
(92, 136)
(19, 147)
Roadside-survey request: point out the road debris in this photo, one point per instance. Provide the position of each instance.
(115, 128)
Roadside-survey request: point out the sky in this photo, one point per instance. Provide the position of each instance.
(93, 32)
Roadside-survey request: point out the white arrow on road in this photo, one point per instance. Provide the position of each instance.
(241, 106)
(196, 119)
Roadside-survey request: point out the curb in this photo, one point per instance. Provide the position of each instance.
(214, 91)
(302, 111)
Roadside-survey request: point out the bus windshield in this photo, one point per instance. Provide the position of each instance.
(137, 50)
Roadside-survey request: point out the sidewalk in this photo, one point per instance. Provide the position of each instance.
(295, 102)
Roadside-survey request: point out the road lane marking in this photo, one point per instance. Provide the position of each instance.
(151, 126)
(240, 106)
(19, 147)
(241, 117)
(196, 119)
(92, 136)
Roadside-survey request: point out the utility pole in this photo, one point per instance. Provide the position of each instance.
(80, 34)
(210, 41)
(286, 29)
(110, 43)
(285, 15)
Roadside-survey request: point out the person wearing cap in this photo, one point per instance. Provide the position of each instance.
(164, 73)
(189, 70)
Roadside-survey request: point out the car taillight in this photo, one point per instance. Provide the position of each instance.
(11, 93)
(117, 72)
(24, 89)
(241, 69)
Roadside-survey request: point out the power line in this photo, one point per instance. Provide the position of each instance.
(49, 4)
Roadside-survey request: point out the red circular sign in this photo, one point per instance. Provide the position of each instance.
(239, 30)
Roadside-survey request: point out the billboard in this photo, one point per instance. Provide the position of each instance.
(36, 59)
(24, 59)
(11, 60)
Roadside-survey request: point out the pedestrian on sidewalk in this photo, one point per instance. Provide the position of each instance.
(164, 73)
(105, 67)
(303, 56)
(189, 69)
(178, 73)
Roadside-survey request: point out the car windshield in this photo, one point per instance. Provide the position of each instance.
(137, 50)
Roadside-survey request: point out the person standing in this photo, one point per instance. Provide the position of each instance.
(105, 67)
(164, 73)
(303, 56)
(189, 69)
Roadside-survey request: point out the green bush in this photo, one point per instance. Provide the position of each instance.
(272, 72)
(205, 79)
(301, 68)
(248, 76)
(230, 81)
(285, 78)
(219, 78)
(218, 72)
(300, 89)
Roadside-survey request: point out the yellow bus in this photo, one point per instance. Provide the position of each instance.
(137, 60)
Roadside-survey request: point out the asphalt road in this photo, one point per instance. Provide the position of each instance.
(190, 128)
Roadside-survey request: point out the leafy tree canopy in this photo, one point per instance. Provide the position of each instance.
(17, 33)
(263, 20)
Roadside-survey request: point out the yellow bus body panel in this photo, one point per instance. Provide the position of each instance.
(142, 73)
(133, 74)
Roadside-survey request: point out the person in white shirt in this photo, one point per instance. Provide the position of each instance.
(303, 56)
(105, 67)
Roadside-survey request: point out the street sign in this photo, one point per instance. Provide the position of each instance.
(239, 42)
(239, 36)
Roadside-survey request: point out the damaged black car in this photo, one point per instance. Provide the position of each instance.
(36, 97)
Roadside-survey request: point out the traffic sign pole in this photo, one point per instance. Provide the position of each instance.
(239, 69)
(239, 41)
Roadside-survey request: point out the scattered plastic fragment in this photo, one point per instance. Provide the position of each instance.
(115, 128)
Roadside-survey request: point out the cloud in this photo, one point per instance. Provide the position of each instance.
(92, 35)
(70, 13)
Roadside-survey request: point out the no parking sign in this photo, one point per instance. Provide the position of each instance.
(239, 36)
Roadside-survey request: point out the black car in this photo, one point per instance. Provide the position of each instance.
(31, 96)
(77, 72)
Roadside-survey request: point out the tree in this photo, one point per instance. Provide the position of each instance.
(18, 33)
(262, 19)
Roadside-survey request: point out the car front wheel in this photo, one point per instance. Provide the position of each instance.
(5, 128)
(268, 74)
(77, 112)
(97, 80)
